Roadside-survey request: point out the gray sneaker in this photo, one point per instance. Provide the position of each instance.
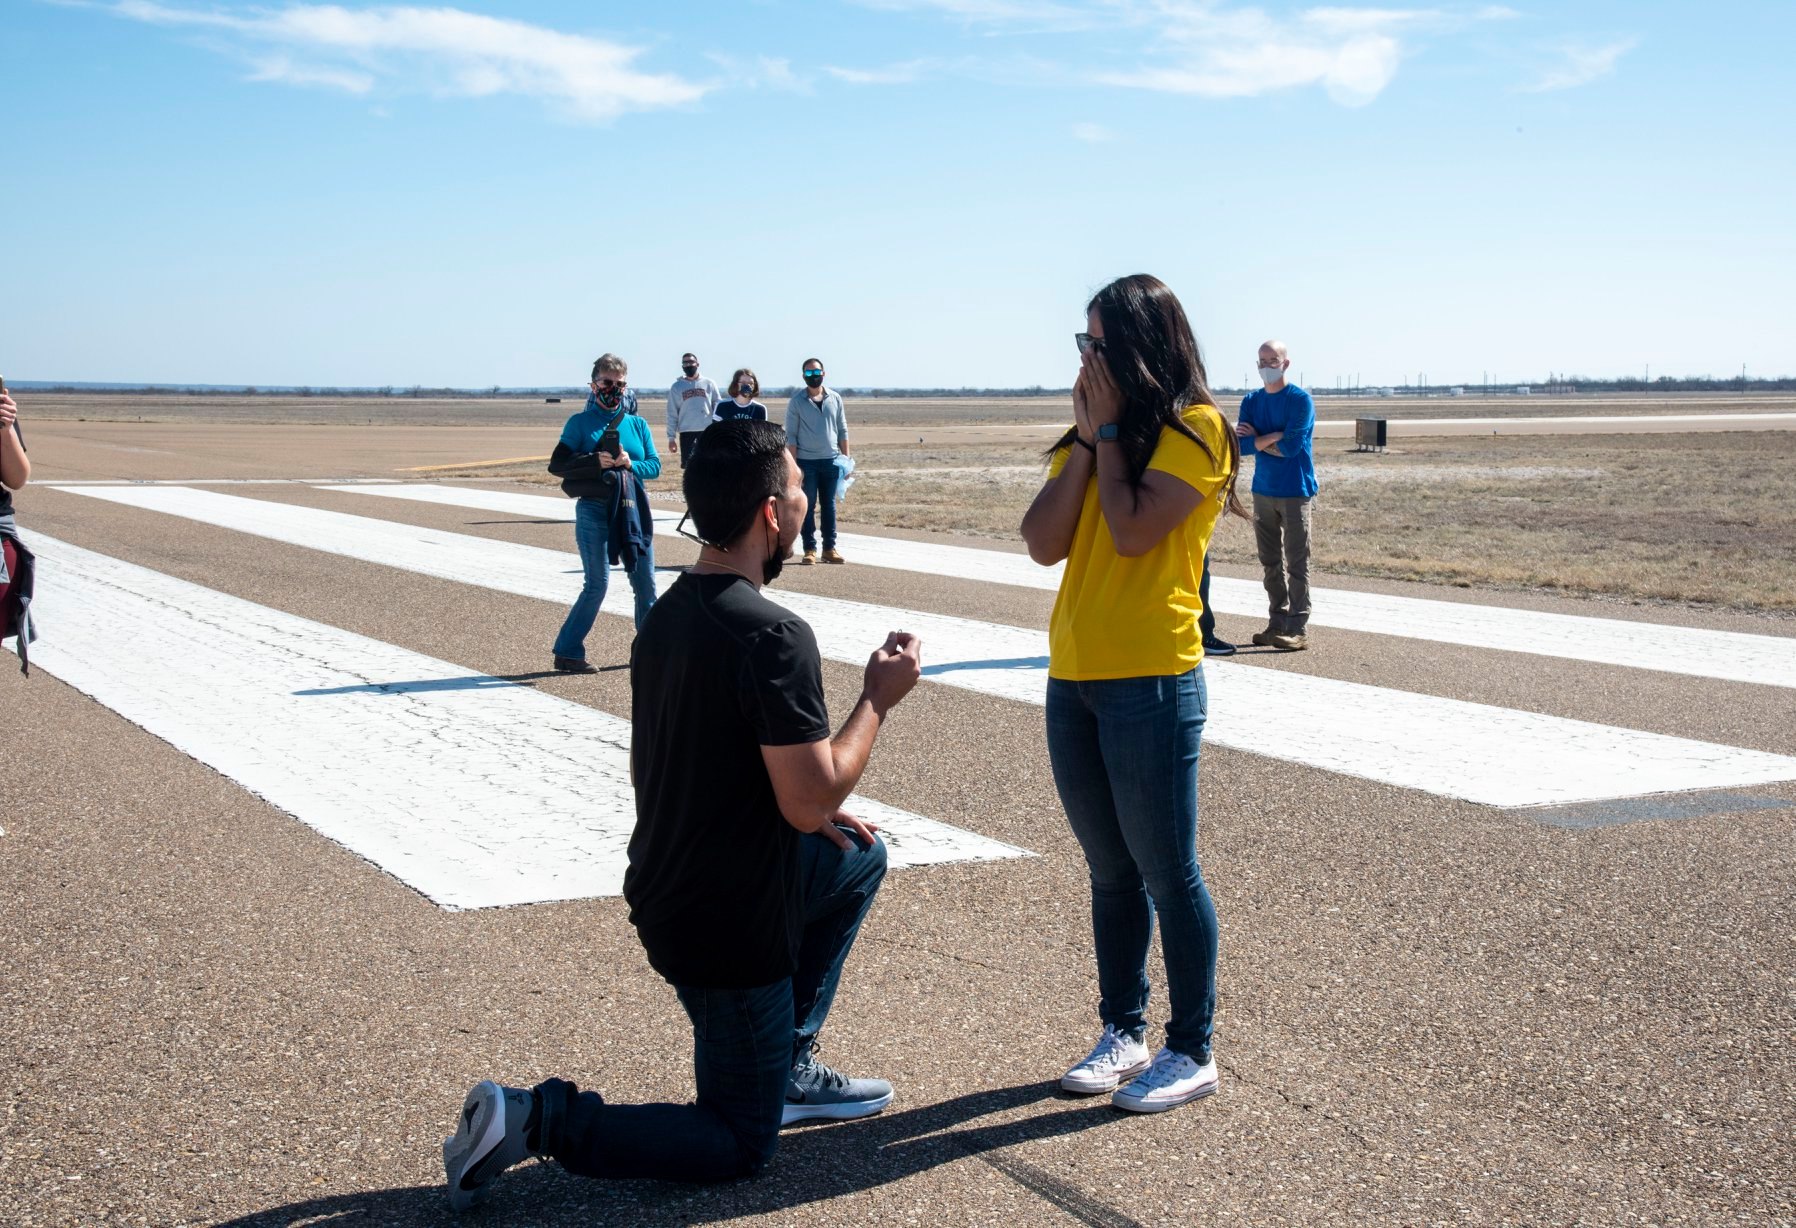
(817, 1093)
(488, 1139)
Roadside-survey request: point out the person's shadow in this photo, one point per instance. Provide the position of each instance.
(812, 1165)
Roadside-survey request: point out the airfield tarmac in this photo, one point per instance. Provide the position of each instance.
(1433, 1009)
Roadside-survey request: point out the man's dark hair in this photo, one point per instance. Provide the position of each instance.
(734, 469)
(811, 362)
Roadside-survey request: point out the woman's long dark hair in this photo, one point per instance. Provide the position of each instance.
(1153, 356)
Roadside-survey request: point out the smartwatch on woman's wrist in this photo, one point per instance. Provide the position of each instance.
(1110, 432)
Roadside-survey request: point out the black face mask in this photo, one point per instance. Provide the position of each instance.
(690, 369)
(608, 400)
(771, 567)
(813, 381)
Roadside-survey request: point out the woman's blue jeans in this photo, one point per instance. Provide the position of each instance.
(592, 535)
(1125, 754)
(821, 478)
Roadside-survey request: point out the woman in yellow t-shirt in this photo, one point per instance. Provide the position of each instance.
(1133, 493)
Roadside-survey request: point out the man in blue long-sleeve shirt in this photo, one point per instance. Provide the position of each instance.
(1275, 426)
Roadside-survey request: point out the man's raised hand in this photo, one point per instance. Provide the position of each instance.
(893, 670)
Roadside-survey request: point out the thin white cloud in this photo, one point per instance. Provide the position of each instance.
(1215, 49)
(892, 74)
(1219, 52)
(1038, 15)
(280, 68)
(1580, 65)
(1093, 134)
(444, 50)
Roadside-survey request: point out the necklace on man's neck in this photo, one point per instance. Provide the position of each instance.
(718, 563)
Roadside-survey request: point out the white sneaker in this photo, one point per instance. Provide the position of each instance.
(1117, 1058)
(1172, 1080)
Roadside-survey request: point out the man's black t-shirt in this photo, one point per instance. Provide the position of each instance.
(717, 672)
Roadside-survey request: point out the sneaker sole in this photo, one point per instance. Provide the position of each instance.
(1130, 1105)
(479, 1134)
(847, 1111)
(1094, 1088)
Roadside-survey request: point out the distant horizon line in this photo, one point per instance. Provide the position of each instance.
(1666, 383)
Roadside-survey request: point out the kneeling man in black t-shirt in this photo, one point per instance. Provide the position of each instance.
(747, 881)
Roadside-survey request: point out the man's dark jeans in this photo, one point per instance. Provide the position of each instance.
(821, 479)
(688, 445)
(1206, 620)
(744, 1043)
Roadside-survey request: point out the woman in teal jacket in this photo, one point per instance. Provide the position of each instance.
(602, 446)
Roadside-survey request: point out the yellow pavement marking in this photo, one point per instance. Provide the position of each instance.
(509, 460)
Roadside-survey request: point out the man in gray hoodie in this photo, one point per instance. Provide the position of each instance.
(691, 407)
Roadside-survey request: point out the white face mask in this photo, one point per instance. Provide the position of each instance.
(1271, 375)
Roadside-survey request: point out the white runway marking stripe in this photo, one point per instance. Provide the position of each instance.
(1447, 747)
(475, 791)
(1729, 656)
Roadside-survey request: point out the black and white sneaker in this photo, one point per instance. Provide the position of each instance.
(489, 1138)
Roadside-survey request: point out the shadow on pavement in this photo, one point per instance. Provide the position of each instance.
(813, 1164)
(1032, 663)
(473, 682)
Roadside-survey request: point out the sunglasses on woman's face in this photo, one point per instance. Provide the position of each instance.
(1085, 341)
(607, 384)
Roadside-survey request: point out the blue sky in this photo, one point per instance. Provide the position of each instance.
(924, 192)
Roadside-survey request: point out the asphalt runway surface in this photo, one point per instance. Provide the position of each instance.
(1431, 1010)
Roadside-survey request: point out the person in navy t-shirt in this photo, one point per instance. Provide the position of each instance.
(1275, 426)
(742, 406)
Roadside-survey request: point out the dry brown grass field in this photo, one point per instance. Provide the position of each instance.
(1697, 518)
(1648, 517)
(873, 411)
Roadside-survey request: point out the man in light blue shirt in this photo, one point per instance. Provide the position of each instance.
(816, 434)
(1275, 427)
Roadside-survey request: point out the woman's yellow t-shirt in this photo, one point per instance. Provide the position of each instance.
(1119, 617)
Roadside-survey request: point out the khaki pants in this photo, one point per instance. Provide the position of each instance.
(1281, 530)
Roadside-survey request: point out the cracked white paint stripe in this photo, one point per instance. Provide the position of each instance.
(1724, 655)
(1497, 756)
(475, 791)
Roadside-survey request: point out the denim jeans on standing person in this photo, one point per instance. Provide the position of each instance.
(1206, 618)
(821, 477)
(592, 535)
(1125, 755)
(744, 1044)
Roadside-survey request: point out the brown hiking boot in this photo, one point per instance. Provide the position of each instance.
(1264, 638)
(1293, 642)
(809, 559)
(832, 555)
